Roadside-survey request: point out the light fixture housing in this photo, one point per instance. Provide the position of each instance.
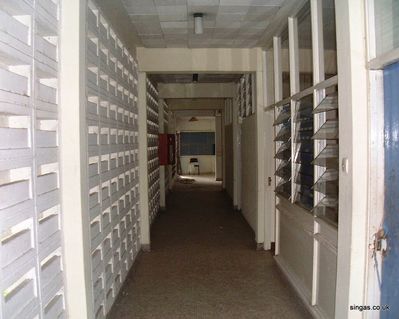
(198, 23)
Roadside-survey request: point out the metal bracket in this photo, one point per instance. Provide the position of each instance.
(380, 242)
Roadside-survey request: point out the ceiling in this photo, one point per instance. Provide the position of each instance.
(188, 78)
(227, 23)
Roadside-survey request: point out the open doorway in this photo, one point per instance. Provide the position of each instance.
(197, 149)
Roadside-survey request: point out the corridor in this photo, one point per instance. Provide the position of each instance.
(203, 264)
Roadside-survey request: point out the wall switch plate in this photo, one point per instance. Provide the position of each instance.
(345, 165)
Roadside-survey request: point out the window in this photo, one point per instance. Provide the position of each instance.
(303, 122)
(282, 139)
(306, 123)
(386, 15)
(285, 64)
(197, 143)
(326, 159)
(246, 95)
(329, 38)
(305, 48)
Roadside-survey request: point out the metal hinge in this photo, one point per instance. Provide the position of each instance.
(380, 242)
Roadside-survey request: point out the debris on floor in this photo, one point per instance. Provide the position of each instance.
(185, 180)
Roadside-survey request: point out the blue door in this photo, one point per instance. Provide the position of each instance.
(390, 266)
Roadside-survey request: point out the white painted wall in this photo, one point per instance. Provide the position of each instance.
(204, 124)
(296, 246)
(228, 160)
(249, 171)
(269, 150)
(98, 164)
(199, 60)
(219, 147)
(31, 255)
(196, 90)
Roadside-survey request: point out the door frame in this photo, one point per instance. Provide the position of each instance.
(376, 64)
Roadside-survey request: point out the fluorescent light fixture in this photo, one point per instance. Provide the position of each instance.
(198, 23)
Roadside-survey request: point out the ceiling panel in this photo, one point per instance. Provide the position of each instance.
(227, 23)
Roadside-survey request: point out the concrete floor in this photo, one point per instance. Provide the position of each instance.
(203, 264)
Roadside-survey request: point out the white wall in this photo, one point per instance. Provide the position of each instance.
(200, 60)
(228, 160)
(99, 163)
(196, 90)
(295, 254)
(31, 256)
(204, 124)
(249, 171)
(219, 148)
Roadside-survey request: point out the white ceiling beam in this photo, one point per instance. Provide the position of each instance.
(175, 60)
(196, 90)
(196, 104)
(197, 113)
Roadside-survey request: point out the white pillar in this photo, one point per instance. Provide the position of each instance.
(268, 151)
(162, 168)
(260, 145)
(73, 158)
(236, 156)
(218, 147)
(224, 145)
(353, 149)
(143, 164)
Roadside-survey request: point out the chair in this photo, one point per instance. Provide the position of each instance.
(194, 165)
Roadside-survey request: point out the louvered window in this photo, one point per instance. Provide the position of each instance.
(326, 160)
(282, 139)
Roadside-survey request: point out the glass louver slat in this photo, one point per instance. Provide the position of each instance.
(304, 197)
(284, 115)
(304, 110)
(284, 170)
(284, 151)
(328, 157)
(304, 149)
(327, 209)
(303, 158)
(284, 189)
(329, 103)
(328, 183)
(328, 131)
(284, 134)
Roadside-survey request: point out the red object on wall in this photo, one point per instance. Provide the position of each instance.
(171, 149)
(166, 149)
(163, 149)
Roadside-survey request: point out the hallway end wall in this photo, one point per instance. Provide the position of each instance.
(204, 124)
